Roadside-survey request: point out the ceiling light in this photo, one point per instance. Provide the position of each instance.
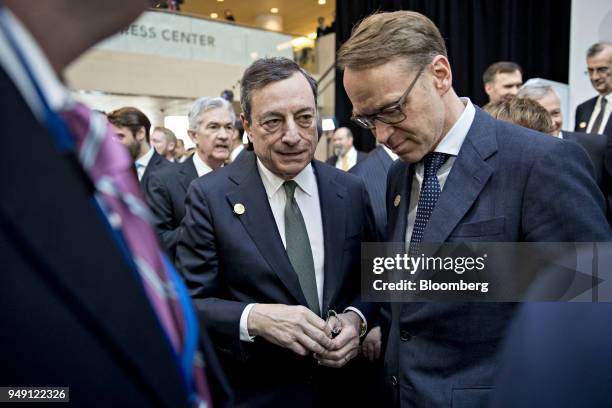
(274, 10)
(312, 36)
(219, 1)
(214, 15)
(321, 2)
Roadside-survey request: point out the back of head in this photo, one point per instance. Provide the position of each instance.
(501, 67)
(131, 118)
(384, 37)
(535, 89)
(523, 112)
(265, 71)
(168, 134)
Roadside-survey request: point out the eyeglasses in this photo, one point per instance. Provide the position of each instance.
(599, 70)
(391, 115)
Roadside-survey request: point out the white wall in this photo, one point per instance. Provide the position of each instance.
(591, 22)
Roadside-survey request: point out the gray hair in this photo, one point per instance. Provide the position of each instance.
(597, 48)
(264, 71)
(207, 103)
(535, 89)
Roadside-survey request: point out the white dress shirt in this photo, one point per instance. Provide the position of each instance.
(351, 156)
(307, 198)
(596, 111)
(201, 167)
(450, 144)
(142, 163)
(392, 155)
(236, 152)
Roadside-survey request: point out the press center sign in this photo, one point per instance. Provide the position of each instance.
(171, 35)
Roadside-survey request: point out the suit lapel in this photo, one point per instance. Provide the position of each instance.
(259, 222)
(188, 173)
(333, 216)
(466, 180)
(398, 215)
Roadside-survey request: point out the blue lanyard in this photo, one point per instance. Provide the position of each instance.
(65, 142)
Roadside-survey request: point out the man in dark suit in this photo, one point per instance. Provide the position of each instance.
(132, 127)
(593, 116)
(463, 176)
(269, 247)
(595, 146)
(75, 310)
(373, 171)
(211, 126)
(345, 155)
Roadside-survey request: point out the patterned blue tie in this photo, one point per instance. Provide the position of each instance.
(430, 191)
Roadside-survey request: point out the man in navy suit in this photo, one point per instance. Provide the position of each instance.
(463, 176)
(270, 247)
(74, 309)
(211, 126)
(594, 145)
(133, 128)
(373, 171)
(590, 117)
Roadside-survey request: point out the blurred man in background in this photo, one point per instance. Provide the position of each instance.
(502, 79)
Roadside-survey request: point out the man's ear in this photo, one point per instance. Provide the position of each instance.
(489, 88)
(442, 74)
(245, 123)
(141, 134)
(192, 136)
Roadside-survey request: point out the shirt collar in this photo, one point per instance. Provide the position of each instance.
(54, 92)
(305, 179)
(452, 141)
(392, 155)
(201, 167)
(144, 160)
(352, 152)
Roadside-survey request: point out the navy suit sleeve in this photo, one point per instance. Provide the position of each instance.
(199, 264)
(561, 187)
(162, 212)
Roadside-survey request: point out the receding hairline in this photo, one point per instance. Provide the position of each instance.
(256, 92)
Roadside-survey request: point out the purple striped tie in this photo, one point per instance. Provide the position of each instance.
(109, 166)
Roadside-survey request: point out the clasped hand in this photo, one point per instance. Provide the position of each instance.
(297, 328)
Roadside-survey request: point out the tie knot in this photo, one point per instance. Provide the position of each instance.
(603, 102)
(433, 162)
(289, 187)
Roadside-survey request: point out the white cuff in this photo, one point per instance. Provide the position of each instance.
(244, 329)
(354, 309)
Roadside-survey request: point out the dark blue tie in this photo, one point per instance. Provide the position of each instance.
(430, 191)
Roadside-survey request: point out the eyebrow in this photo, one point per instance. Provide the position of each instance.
(219, 123)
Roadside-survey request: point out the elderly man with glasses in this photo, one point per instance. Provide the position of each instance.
(593, 116)
(463, 177)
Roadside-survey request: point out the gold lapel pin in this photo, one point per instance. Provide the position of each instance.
(582, 125)
(239, 209)
(397, 200)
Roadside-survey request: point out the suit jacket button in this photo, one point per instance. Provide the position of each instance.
(394, 381)
(405, 335)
